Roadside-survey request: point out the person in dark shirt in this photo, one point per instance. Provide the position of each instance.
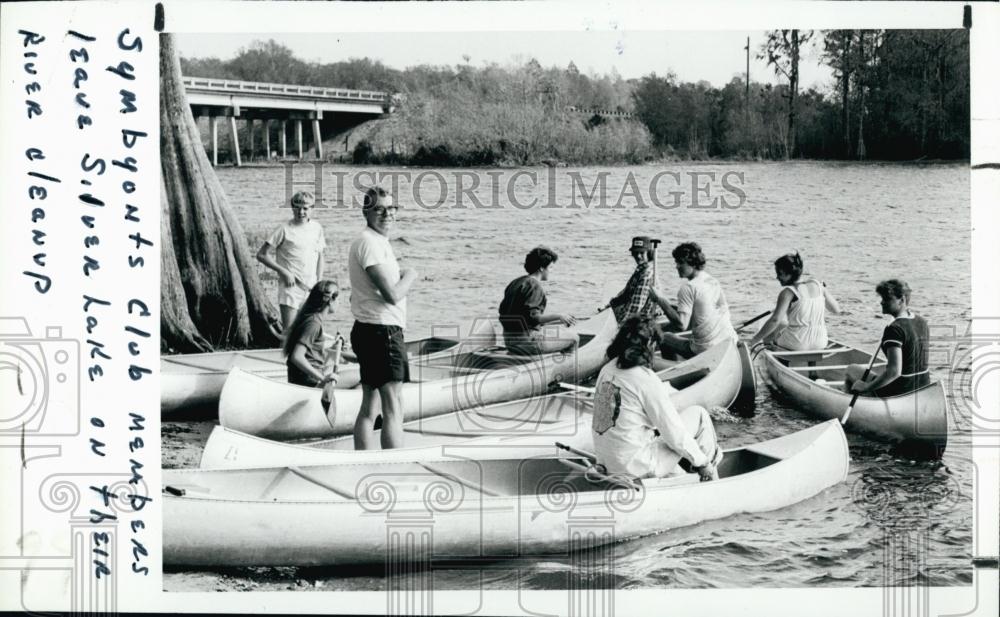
(522, 310)
(305, 343)
(904, 343)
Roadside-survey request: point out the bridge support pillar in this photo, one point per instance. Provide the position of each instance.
(284, 132)
(250, 123)
(267, 138)
(317, 139)
(298, 136)
(214, 122)
(236, 140)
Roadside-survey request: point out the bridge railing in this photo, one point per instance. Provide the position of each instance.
(232, 86)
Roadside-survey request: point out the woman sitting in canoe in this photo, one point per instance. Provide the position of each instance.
(798, 321)
(304, 344)
(904, 343)
(636, 429)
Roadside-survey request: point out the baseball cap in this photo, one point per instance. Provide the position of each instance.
(641, 243)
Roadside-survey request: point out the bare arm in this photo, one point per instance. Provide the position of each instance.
(778, 320)
(893, 369)
(264, 257)
(298, 359)
(392, 293)
(830, 301)
(668, 308)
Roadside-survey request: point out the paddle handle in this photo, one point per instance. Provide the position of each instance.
(752, 321)
(854, 399)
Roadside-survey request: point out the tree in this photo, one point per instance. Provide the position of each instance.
(782, 50)
(210, 294)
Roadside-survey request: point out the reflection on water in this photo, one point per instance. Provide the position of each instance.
(853, 224)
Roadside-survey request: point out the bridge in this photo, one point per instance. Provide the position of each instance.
(277, 104)
(606, 113)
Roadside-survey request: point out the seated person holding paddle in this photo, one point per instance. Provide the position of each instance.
(305, 342)
(636, 428)
(522, 310)
(701, 307)
(798, 321)
(904, 343)
(635, 299)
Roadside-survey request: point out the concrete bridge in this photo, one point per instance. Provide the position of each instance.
(281, 104)
(606, 113)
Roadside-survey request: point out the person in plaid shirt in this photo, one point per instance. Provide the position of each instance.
(634, 299)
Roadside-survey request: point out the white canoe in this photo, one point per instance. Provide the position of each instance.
(469, 508)
(813, 381)
(262, 407)
(711, 379)
(189, 381)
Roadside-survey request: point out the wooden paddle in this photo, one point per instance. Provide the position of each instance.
(854, 399)
(328, 399)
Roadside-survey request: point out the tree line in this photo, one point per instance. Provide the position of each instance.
(896, 95)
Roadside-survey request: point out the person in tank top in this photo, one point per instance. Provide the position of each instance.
(798, 321)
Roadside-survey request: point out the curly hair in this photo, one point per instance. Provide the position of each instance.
(632, 344)
(689, 253)
(538, 258)
(789, 264)
(894, 288)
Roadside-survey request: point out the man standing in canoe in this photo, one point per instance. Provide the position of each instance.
(701, 306)
(636, 428)
(378, 302)
(522, 310)
(635, 298)
(904, 343)
(298, 256)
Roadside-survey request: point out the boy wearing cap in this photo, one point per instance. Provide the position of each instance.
(378, 302)
(634, 299)
(523, 306)
(298, 246)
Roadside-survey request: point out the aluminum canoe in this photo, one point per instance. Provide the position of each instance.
(813, 382)
(711, 379)
(468, 508)
(263, 407)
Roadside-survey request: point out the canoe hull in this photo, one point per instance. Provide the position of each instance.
(540, 420)
(298, 523)
(918, 417)
(261, 407)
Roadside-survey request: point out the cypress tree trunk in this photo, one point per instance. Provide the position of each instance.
(211, 295)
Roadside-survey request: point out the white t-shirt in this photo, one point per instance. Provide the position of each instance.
(702, 305)
(629, 406)
(367, 304)
(297, 248)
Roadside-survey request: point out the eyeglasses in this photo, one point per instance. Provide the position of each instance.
(330, 295)
(386, 210)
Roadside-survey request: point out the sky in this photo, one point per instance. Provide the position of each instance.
(715, 56)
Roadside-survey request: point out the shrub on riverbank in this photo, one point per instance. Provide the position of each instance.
(464, 131)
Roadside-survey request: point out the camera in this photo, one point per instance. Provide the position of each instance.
(40, 380)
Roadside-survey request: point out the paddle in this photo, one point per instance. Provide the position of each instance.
(854, 399)
(752, 321)
(574, 387)
(328, 398)
(655, 242)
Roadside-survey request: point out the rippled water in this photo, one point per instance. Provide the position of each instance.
(853, 224)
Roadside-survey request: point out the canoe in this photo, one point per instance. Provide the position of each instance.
(466, 508)
(711, 379)
(813, 382)
(746, 401)
(190, 381)
(262, 407)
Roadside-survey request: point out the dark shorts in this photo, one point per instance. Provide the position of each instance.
(903, 385)
(381, 353)
(298, 378)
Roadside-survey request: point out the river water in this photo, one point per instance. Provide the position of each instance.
(854, 224)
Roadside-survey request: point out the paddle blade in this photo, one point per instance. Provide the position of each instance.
(329, 402)
(847, 412)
